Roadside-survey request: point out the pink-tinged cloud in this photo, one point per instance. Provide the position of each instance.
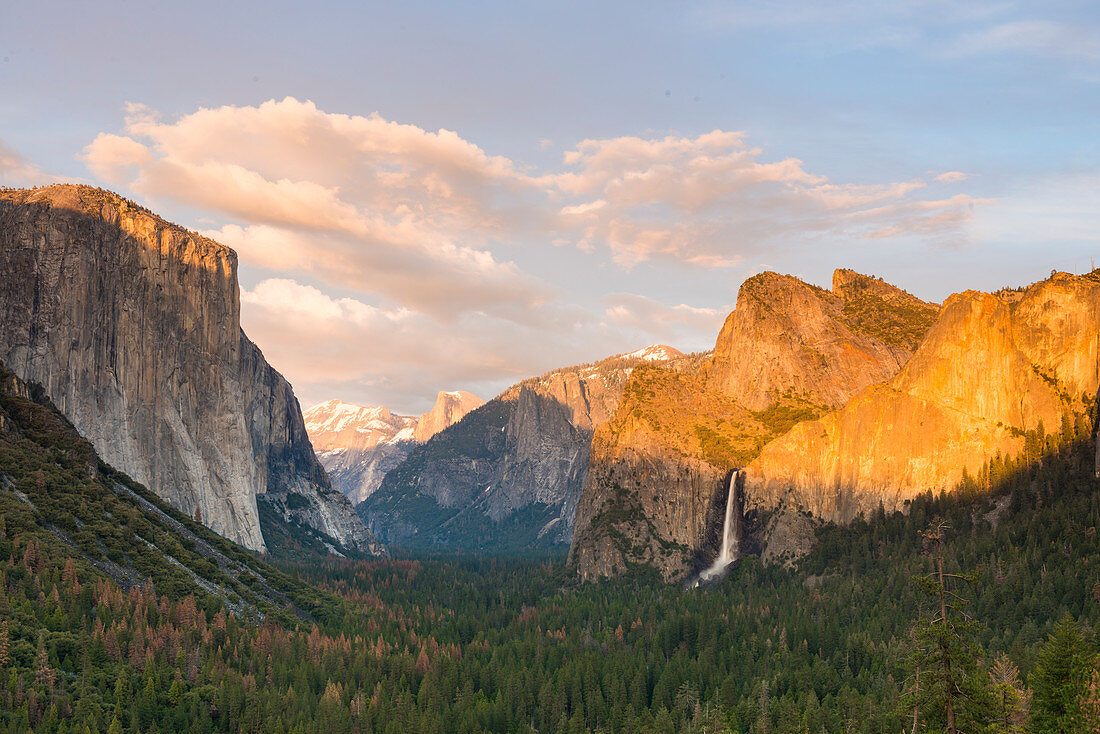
(398, 357)
(712, 201)
(382, 206)
(17, 171)
(657, 319)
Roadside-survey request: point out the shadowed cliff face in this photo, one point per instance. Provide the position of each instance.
(510, 473)
(132, 325)
(787, 353)
(994, 367)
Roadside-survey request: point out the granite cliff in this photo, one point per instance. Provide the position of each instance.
(790, 351)
(358, 445)
(132, 325)
(508, 475)
(450, 407)
(994, 368)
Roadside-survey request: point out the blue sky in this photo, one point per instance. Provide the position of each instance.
(432, 196)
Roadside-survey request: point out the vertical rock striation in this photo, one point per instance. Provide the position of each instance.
(132, 325)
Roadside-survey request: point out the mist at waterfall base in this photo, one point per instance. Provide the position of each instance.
(731, 536)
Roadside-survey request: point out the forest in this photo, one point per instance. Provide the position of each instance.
(855, 639)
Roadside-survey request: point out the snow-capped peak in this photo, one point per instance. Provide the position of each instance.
(655, 353)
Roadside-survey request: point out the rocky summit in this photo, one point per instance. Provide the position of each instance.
(132, 325)
(789, 352)
(358, 445)
(994, 371)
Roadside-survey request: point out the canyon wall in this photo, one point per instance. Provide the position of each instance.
(790, 351)
(994, 367)
(509, 474)
(132, 325)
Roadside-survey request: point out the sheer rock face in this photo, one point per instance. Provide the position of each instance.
(789, 350)
(786, 335)
(660, 503)
(449, 408)
(358, 445)
(510, 471)
(133, 327)
(993, 366)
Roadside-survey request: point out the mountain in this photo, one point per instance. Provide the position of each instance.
(358, 445)
(61, 505)
(999, 374)
(508, 475)
(449, 408)
(132, 325)
(656, 487)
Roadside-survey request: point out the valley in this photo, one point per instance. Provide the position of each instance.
(655, 541)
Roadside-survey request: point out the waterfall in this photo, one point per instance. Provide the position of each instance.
(731, 533)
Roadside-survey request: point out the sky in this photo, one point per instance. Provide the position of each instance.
(434, 196)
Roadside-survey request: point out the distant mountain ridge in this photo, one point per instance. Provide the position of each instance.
(508, 475)
(359, 444)
(132, 325)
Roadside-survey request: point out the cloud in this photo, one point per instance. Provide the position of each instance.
(17, 171)
(661, 321)
(1038, 37)
(344, 347)
(432, 243)
(419, 216)
(952, 177)
(713, 200)
(358, 201)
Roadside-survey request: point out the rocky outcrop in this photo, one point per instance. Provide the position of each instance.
(994, 367)
(449, 408)
(132, 325)
(787, 337)
(644, 504)
(510, 473)
(788, 352)
(790, 535)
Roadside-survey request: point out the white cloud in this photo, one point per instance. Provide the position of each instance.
(952, 177)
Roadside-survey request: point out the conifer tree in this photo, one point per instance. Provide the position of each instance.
(1061, 680)
(1011, 700)
(949, 692)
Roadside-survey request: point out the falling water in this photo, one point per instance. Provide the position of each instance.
(731, 534)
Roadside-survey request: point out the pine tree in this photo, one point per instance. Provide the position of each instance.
(949, 691)
(44, 674)
(1061, 678)
(1012, 701)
